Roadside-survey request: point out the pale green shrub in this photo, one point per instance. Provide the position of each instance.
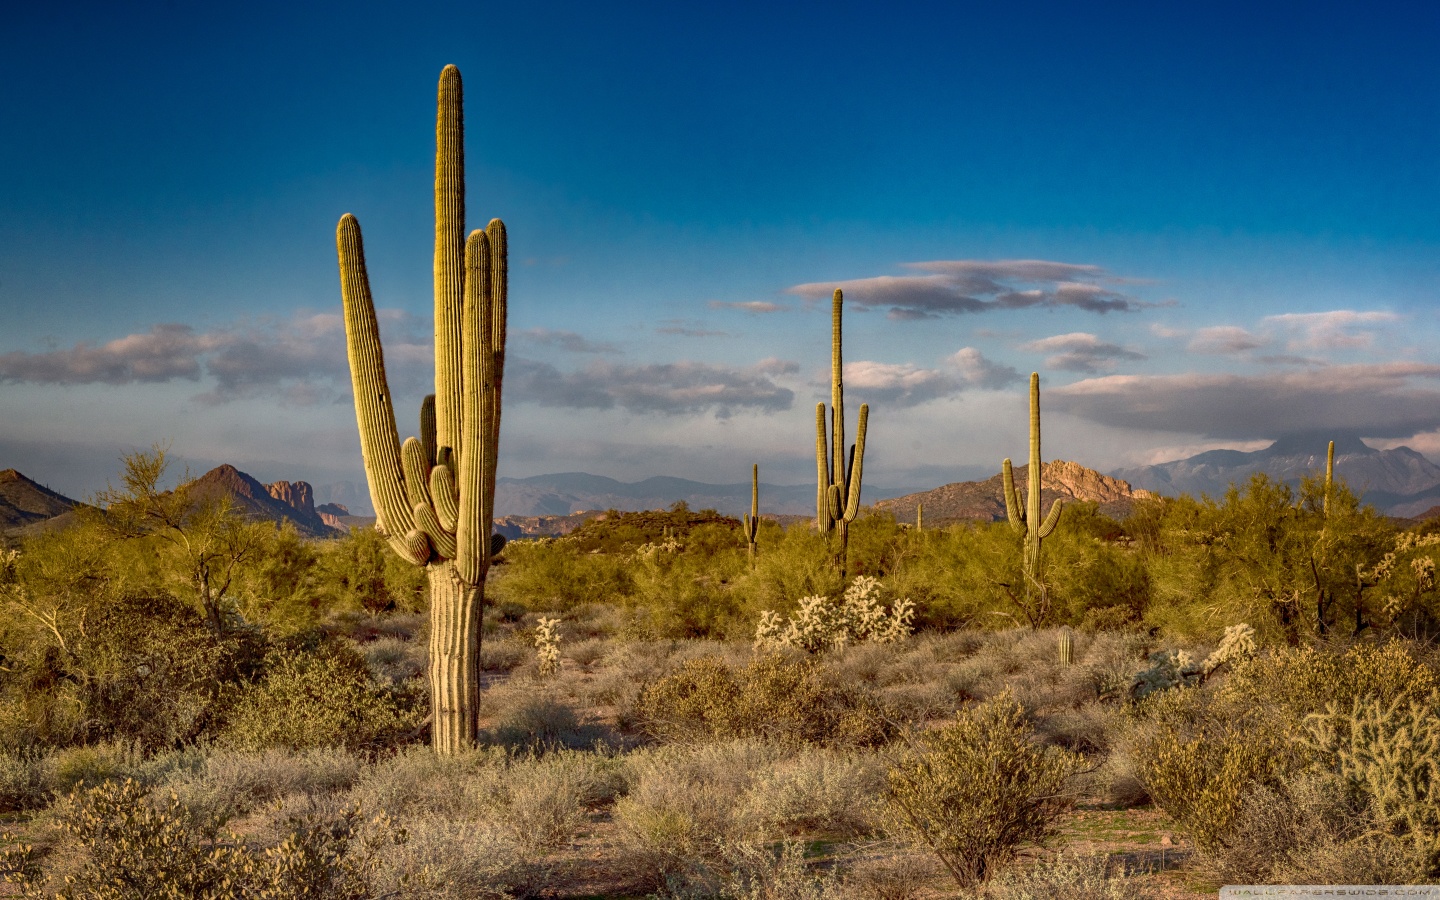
(978, 789)
(1072, 876)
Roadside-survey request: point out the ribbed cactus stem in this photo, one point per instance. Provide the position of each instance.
(919, 517)
(449, 255)
(1067, 647)
(751, 522)
(838, 475)
(1329, 477)
(434, 496)
(374, 413)
(1026, 519)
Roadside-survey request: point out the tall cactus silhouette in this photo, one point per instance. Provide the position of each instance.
(1329, 478)
(1026, 519)
(434, 496)
(837, 497)
(751, 522)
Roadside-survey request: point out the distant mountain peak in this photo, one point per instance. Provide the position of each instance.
(1398, 481)
(277, 502)
(24, 502)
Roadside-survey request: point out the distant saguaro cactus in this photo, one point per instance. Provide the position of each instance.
(919, 517)
(1026, 519)
(1329, 478)
(434, 497)
(837, 499)
(1067, 647)
(751, 522)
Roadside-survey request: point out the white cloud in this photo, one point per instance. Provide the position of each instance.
(1081, 352)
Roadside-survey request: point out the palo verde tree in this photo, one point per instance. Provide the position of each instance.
(203, 534)
(837, 499)
(435, 496)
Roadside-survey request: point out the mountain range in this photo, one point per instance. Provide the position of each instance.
(573, 492)
(1398, 482)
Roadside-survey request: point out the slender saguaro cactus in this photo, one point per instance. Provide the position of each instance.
(435, 496)
(1026, 519)
(837, 498)
(751, 522)
(1329, 478)
(1067, 647)
(919, 517)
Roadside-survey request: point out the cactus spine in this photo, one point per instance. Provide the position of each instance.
(837, 499)
(1329, 478)
(752, 522)
(1026, 519)
(1067, 647)
(434, 496)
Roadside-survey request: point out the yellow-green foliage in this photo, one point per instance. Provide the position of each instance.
(1199, 752)
(980, 788)
(1389, 753)
(1266, 554)
(551, 576)
(773, 698)
(1198, 765)
(135, 849)
(322, 698)
(359, 571)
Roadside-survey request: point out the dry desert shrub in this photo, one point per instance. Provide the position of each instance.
(1073, 876)
(685, 805)
(23, 784)
(533, 716)
(818, 791)
(392, 659)
(1310, 831)
(890, 871)
(417, 782)
(503, 655)
(776, 698)
(977, 790)
(234, 782)
(543, 802)
(443, 859)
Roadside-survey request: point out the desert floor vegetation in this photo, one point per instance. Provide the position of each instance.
(660, 717)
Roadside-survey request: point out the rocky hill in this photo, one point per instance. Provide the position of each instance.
(984, 501)
(1399, 482)
(277, 502)
(23, 503)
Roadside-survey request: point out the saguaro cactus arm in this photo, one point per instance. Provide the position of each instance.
(1329, 477)
(1014, 512)
(374, 412)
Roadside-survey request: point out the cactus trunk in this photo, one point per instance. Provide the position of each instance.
(455, 609)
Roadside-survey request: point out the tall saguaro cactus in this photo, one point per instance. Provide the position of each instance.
(1329, 478)
(837, 497)
(751, 523)
(1026, 519)
(435, 496)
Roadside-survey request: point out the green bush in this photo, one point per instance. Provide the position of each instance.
(322, 697)
(980, 788)
(136, 850)
(773, 698)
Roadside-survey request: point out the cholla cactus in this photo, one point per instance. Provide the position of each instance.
(547, 646)
(1391, 754)
(1237, 645)
(821, 624)
(1176, 668)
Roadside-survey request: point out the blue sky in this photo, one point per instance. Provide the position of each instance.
(1204, 227)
